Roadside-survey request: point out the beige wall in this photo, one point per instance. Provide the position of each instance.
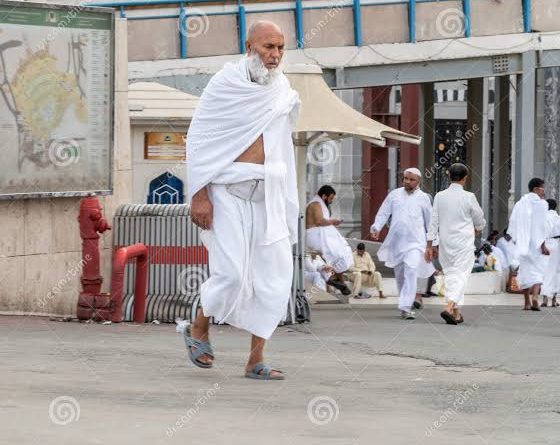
(40, 244)
(161, 42)
(212, 36)
(385, 23)
(328, 27)
(545, 15)
(488, 17)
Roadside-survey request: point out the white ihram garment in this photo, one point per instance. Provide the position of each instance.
(551, 281)
(527, 227)
(510, 251)
(249, 243)
(455, 216)
(328, 240)
(314, 272)
(404, 246)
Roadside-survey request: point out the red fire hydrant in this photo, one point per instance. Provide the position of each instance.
(92, 304)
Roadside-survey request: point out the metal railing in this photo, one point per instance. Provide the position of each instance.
(298, 9)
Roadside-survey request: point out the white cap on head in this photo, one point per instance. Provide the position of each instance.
(414, 171)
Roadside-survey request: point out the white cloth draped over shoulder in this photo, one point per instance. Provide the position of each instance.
(327, 239)
(455, 216)
(232, 113)
(527, 227)
(510, 251)
(410, 217)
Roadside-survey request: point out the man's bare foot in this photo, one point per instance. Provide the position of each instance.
(200, 333)
(381, 294)
(535, 306)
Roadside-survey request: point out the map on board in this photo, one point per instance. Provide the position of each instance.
(55, 100)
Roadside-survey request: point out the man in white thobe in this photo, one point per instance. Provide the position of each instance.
(551, 281)
(409, 209)
(456, 219)
(242, 191)
(527, 227)
(322, 234)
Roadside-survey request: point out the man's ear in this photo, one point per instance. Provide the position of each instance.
(247, 46)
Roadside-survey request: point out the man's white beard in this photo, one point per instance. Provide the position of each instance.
(259, 72)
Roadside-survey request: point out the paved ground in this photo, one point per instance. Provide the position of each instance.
(356, 376)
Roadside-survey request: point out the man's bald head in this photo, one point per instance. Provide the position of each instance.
(267, 40)
(263, 27)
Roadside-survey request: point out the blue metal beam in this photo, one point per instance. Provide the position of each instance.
(467, 17)
(299, 24)
(242, 28)
(183, 31)
(357, 23)
(527, 15)
(123, 15)
(412, 21)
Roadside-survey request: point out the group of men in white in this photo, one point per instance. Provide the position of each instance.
(243, 196)
(421, 231)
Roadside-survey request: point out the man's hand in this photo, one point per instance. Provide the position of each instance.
(374, 235)
(430, 253)
(336, 222)
(544, 249)
(202, 210)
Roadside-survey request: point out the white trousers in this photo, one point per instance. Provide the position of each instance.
(406, 285)
(250, 283)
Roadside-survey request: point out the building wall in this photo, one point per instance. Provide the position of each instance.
(40, 246)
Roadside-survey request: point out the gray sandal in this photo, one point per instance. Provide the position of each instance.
(202, 348)
(262, 372)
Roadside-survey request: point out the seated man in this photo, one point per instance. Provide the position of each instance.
(317, 272)
(321, 274)
(322, 234)
(363, 273)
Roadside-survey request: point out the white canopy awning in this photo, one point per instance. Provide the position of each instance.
(324, 115)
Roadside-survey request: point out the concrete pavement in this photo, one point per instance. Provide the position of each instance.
(355, 376)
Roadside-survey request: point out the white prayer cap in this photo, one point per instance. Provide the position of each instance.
(414, 171)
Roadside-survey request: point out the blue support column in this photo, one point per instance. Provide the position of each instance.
(412, 21)
(467, 17)
(123, 15)
(527, 15)
(242, 20)
(299, 24)
(183, 30)
(357, 23)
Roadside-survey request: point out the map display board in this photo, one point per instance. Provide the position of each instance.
(56, 94)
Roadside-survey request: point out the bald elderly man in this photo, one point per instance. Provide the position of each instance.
(242, 191)
(410, 210)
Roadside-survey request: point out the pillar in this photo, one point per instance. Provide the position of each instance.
(410, 97)
(551, 131)
(426, 160)
(525, 124)
(478, 143)
(501, 173)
